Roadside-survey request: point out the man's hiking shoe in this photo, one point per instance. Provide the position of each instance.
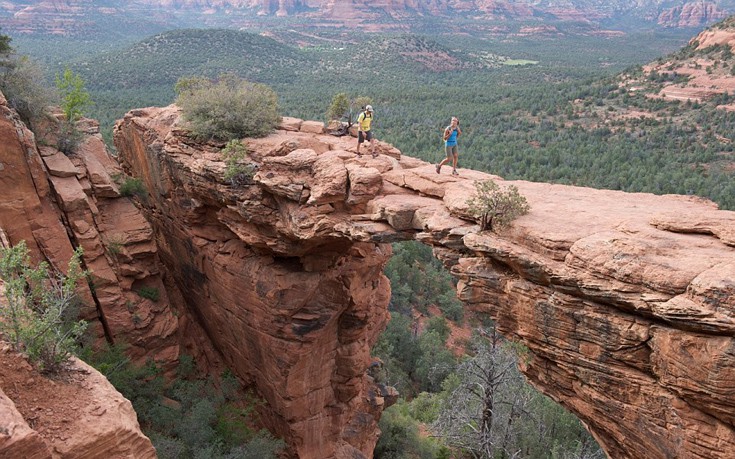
(438, 168)
(454, 172)
(359, 155)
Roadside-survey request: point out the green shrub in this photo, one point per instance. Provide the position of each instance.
(21, 81)
(38, 314)
(262, 446)
(419, 280)
(344, 109)
(359, 103)
(5, 47)
(400, 438)
(114, 245)
(150, 293)
(450, 306)
(189, 417)
(68, 138)
(133, 187)
(435, 362)
(236, 172)
(227, 109)
(340, 107)
(494, 207)
(425, 407)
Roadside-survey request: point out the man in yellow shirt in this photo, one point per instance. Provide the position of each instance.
(364, 133)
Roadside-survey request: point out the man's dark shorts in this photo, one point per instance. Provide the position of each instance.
(368, 136)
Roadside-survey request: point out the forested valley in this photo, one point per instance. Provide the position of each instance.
(550, 108)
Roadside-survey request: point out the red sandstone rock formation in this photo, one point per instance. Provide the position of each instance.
(625, 301)
(72, 16)
(692, 14)
(706, 78)
(55, 203)
(291, 306)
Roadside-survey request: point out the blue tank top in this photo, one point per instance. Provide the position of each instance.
(452, 140)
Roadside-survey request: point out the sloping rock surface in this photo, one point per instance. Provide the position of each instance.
(626, 302)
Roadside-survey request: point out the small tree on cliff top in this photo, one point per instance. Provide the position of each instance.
(228, 108)
(5, 48)
(342, 108)
(74, 96)
(37, 316)
(494, 207)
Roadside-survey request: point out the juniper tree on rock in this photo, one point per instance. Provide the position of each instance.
(496, 207)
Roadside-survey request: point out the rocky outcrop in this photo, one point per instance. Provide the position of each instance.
(699, 75)
(292, 306)
(625, 301)
(723, 34)
(17, 439)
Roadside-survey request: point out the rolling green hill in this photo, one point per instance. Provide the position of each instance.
(163, 58)
(144, 73)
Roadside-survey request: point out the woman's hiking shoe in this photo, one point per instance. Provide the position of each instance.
(454, 172)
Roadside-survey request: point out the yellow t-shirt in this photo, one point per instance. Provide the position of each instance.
(364, 119)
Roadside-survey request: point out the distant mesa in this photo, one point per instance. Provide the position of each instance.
(77, 16)
(692, 14)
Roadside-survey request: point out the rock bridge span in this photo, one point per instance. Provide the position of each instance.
(626, 302)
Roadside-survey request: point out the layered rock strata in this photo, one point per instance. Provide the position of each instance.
(625, 302)
(56, 203)
(692, 14)
(72, 17)
(292, 306)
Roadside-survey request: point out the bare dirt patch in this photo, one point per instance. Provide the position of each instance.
(48, 404)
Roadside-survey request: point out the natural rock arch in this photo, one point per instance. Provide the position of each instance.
(626, 301)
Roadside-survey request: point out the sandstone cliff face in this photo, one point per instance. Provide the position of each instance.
(72, 16)
(56, 203)
(291, 306)
(625, 301)
(692, 14)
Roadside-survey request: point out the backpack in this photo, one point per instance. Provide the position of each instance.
(445, 130)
